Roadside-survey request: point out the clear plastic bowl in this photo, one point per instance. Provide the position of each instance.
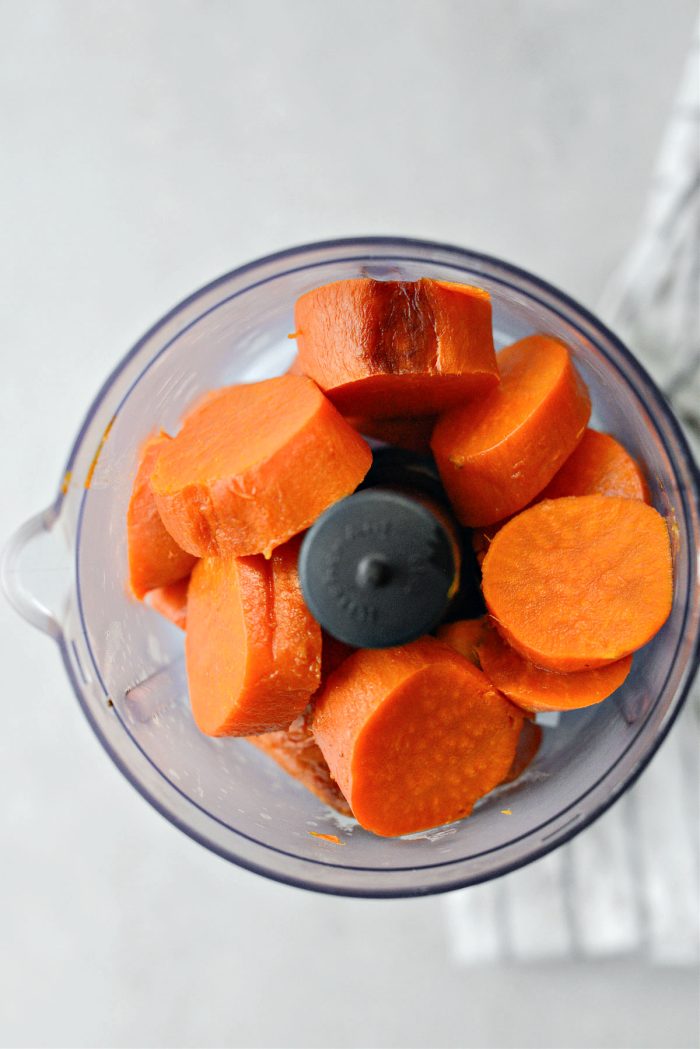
(65, 571)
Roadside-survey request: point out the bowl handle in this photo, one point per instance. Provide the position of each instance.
(18, 562)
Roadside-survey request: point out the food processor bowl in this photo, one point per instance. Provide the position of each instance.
(65, 571)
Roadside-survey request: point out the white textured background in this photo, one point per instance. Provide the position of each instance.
(146, 147)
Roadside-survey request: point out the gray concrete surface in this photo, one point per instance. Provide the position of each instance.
(145, 148)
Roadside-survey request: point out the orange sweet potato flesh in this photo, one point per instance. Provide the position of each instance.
(598, 465)
(248, 667)
(533, 688)
(228, 648)
(579, 582)
(414, 735)
(464, 636)
(295, 750)
(171, 601)
(411, 433)
(497, 454)
(529, 742)
(254, 465)
(155, 559)
(296, 642)
(396, 348)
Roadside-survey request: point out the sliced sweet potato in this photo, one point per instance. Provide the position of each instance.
(598, 465)
(534, 689)
(414, 735)
(464, 637)
(248, 667)
(155, 559)
(254, 465)
(396, 348)
(496, 455)
(295, 750)
(296, 642)
(529, 742)
(171, 601)
(579, 582)
(411, 433)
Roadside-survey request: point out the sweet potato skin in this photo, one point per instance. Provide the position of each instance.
(396, 348)
(412, 433)
(295, 750)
